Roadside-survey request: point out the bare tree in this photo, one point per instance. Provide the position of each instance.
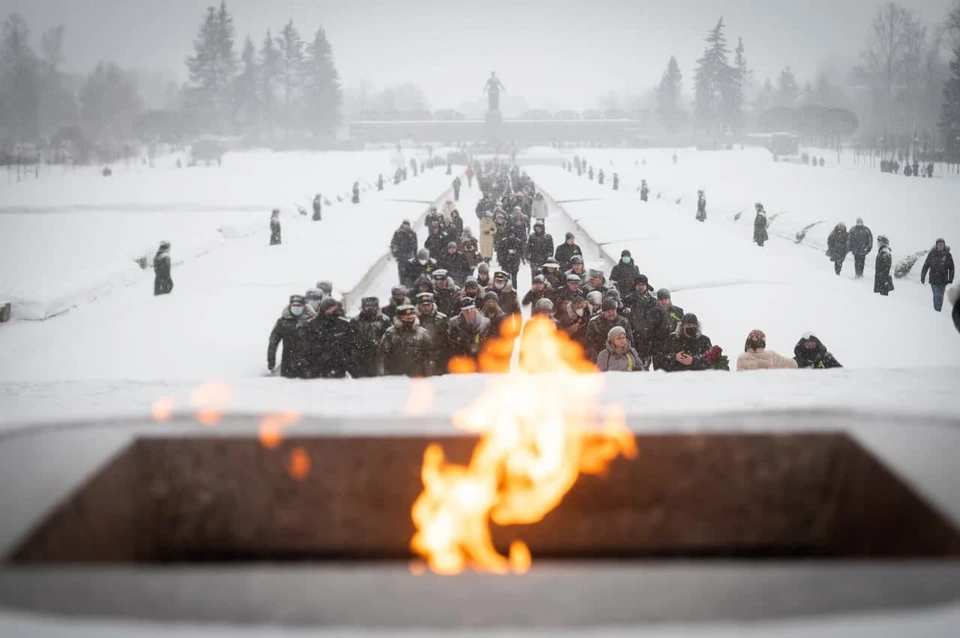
(894, 54)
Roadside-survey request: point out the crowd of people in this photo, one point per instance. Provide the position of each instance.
(449, 302)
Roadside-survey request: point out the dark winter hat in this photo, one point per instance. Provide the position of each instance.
(641, 279)
(571, 278)
(491, 296)
(297, 299)
(690, 318)
(452, 244)
(483, 267)
(626, 253)
(425, 297)
(405, 222)
(406, 311)
(539, 223)
(423, 253)
(539, 279)
(609, 303)
(940, 240)
(570, 236)
(164, 245)
(543, 307)
(471, 282)
(314, 293)
(439, 274)
(397, 291)
(370, 302)
(663, 293)
(325, 286)
(467, 303)
(328, 303)
(595, 273)
(576, 259)
(613, 293)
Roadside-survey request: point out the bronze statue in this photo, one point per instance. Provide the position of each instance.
(493, 89)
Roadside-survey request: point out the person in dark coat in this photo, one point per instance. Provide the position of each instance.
(356, 192)
(554, 276)
(760, 226)
(644, 190)
(404, 346)
(882, 281)
(446, 294)
(860, 243)
(468, 332)
(456, 188)
(939, 264)
(701, 206)
(595, 281)
(492, 311)
(330, 342)
(539, 289)
(162, 280)
(484, 279)
(811, 353)
(539, 248)
(318, 207)
(456, 223)
(837, 246)
(403, 247)
(437, 325)
(506, 293)
(572, 288)
(685, 348)
(616, 182)
(509, 254)
(566, 251)
(954, 297)
(433, 218)
(380, 182)
(578, 268)
(625, 273)
(275, 227)
(455, 263)
(398, 297)
(436, 242)
(370, 326)
(645, 319)
(421, 265)
(599, 327)
(286, 331)
(472, 289)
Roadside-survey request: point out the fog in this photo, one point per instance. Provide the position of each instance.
(561, 54)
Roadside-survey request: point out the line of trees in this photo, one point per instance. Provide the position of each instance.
(284, 84)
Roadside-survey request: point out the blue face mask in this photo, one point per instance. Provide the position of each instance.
(296, 311)
(626, 260)
(313, 303)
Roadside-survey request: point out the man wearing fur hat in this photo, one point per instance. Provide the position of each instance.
(468, 331)
(370, 326)
(286, 331)
(331, 342)
(446, 294)
(404, 346)
(686, 347)
(506, 293)
(437, 325)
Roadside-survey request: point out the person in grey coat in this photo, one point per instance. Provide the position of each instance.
(619, 355)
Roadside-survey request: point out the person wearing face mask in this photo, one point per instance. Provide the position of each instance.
(331, 342)
(314, 296)
(370, 326)
(600, 326)
(404, 346)
(625, 273)
(398, 297)
(420, 265)
(685, 349)
(286, 331)
(573, 316)
(811, 353)
(505, 292)
(619, 355)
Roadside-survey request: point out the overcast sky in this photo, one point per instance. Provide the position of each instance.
(564, 52)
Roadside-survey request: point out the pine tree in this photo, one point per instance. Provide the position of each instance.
(213, 64)
(245, 98)
(736, 90)
(269, 76)
(787, 89)
(669, 95)
(323, 95)
(291, 54)
(950, 111)
(713, 83)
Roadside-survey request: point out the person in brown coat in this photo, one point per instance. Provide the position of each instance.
(756, 356)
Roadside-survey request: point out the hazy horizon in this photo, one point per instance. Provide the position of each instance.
(588, 49)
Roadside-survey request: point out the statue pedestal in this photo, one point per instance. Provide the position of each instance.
(494, 123)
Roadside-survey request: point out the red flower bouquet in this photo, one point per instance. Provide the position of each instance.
(716, 360)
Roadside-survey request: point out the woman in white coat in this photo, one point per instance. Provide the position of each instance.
(756, 356)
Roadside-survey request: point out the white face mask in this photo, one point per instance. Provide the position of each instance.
(296, 311)
(423, 262)
(499, 285)
(313, 303)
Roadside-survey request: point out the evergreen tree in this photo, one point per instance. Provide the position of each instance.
(787, 89)
(323, 95)
(109, 101)
(269, 77)
(713, 82)
(736, 91)
(213, 64)
(245, 88)
(669, 97)
(291, 56)
(950, 111)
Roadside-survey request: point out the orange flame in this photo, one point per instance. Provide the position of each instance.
(272, 426)
(163, 409)
(209, 400)
(537, 434)
(299, 464)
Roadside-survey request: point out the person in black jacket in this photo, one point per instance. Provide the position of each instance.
(275, 227)
(370, 326)
(645, 318)
(837, 246)
(356, 192)
(539, 248)
(417, 267)
(491, 310)
(860, 243)
(331, 342)
(685, 348)
(554, 276)
(625, 273)
(811, 353)
(599, 327)
(162, 280)
(456, 224)
(398, 297)
(939, 264)
(760, 226)
(456, 188)
(404, 347)
(403, 247)
(286, 331)
(954, 296)
(882, 281)
(506, 293)
(318, 207)
(446, 294)
(701, 206)
(455, 263)
(436, 242)
(437, 326)
(566, 251)
(509, 254)
(539, 289)
(468, 332)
